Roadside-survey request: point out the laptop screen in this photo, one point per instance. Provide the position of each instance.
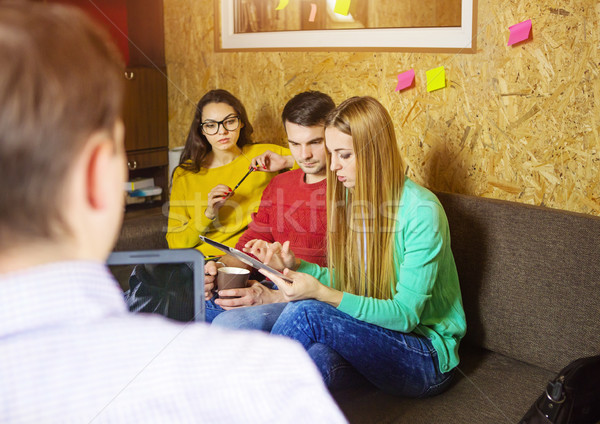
(169, 282)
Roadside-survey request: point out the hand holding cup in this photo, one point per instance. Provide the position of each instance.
(229, 277)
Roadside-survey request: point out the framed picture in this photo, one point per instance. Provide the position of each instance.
(368, 25)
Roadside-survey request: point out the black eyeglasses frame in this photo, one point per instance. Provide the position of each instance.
(221, 123)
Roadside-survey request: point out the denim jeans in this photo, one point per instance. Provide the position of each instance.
(261, 317)
(349, 352)
(212, 310)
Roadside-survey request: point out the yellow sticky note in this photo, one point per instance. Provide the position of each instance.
(282, 4)
(342, 7)
(436, 78)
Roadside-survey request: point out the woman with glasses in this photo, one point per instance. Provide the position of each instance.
(388, 310)
(218, 153)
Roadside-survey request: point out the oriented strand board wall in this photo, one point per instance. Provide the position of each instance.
(517, 123)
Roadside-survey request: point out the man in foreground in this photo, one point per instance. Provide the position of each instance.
(69, 349)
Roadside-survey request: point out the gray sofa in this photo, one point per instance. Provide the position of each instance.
(530, 279)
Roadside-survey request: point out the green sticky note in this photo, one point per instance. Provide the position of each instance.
(436, 78)
(342, 7)
(282, 4)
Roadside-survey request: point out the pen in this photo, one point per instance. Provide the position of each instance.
(243, 178)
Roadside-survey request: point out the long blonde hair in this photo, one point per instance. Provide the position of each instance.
(361, 222)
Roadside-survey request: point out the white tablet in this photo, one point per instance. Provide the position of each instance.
(247, 259)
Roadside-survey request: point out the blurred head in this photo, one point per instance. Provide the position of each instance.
(304, 120)
(364, 184)
(60, 91)
(220, 123)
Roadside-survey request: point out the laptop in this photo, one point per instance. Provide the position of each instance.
(169, 282)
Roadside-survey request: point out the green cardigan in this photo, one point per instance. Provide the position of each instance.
(427, 299)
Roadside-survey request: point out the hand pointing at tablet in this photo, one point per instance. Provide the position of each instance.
(303, 286)
(275, 255)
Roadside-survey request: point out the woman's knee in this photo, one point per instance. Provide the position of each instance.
(301, 315)
(260, 317)
(306, 307)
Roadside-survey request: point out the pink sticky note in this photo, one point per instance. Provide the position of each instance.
(313, 12)
(519, 32)
(405, 80)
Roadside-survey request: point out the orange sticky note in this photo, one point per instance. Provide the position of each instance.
(436, 78)
(282, 4)
(342, 7)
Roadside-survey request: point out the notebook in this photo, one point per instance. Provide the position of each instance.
(169, 282)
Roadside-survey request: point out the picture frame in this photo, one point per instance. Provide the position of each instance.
(420, 39)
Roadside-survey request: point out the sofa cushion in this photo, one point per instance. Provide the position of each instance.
(530, 278)
(489, 388)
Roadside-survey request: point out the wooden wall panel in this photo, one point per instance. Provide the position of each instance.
(518, 123)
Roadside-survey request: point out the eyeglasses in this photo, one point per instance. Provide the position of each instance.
(231, 123)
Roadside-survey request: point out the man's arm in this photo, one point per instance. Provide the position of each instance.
(259, 228)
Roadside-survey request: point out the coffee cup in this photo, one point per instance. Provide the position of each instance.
(229, 277)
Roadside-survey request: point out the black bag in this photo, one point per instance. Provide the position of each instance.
(573, 397)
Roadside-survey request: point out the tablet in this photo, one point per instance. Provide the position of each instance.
(247, 259)
(169, 282)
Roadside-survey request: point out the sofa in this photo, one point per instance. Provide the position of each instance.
(530, 280)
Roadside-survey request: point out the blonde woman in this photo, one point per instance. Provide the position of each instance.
(388, 308)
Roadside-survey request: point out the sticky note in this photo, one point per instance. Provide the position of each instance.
(313, 12)
(282, 4)
(405, 80)
(519, 32)
(436, 78)
(342, 7)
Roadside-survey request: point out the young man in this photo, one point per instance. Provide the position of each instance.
(69, 349)
(292, 208)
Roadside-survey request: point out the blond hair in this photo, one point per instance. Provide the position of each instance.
(362, 221)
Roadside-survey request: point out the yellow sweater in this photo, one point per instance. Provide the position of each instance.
(189, 199)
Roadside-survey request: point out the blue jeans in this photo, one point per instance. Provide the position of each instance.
(260, 317)
(212, 310)
(349, 352)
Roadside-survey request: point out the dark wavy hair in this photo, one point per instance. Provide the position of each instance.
(197, 146)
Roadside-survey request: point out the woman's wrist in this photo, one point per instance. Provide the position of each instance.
(208, 214)
(330, 296)
(290, 161)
